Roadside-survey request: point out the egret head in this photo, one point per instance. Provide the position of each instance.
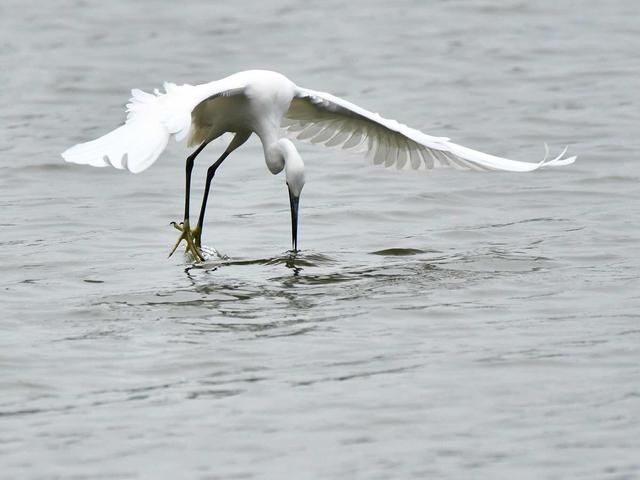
(294, 175)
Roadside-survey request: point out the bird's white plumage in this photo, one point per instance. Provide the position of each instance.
(323, 118)
(151, 120)
(262, 103)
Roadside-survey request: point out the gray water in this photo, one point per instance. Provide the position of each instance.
(436, 324)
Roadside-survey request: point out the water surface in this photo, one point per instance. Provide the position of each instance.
(436, 324)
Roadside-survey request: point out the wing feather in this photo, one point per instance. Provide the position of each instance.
(355, 139)
(339, 138)
(323, 118)
(152, 118)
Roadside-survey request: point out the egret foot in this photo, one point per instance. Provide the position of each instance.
(192, 237)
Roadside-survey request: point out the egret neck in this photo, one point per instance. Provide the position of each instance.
(286, 156)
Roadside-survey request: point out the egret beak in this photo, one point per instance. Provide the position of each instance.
(294, 200)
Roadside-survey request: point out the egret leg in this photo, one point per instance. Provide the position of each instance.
(211, 171)
(187, 234)
(238, 139)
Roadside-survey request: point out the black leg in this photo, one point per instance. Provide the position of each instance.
(189, 168)
(238, 139)
(210, 173)
(186, 234)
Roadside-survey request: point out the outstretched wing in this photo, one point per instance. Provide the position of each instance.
(323, 118)
(152, 118)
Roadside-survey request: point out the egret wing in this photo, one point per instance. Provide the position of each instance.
(323, 118)
(152, 118)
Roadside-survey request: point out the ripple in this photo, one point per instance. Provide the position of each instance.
(400, 252)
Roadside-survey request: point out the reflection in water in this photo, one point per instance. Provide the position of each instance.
(254, 294)
(296, 261)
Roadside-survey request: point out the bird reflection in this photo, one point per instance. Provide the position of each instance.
(290, 262)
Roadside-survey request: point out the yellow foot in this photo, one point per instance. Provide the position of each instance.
(192, 237)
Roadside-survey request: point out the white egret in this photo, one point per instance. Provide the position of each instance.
(269, 104)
